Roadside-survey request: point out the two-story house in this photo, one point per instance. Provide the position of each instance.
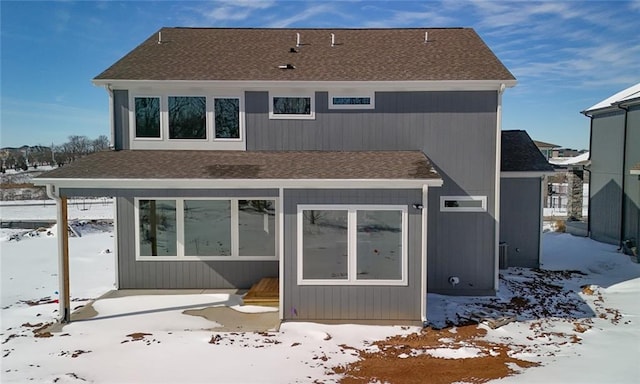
(360, 166)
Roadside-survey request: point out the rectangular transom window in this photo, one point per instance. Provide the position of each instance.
(196, 229)
(292, 107)
(363, 100)
(227, 118)
(463, 203)
(352, 245)
(147, 117)
(187, 117)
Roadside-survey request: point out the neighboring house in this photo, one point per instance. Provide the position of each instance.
(360, 166)
(615, 153)
(546, 148)
(523, 181)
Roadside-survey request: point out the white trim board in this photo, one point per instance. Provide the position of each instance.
(523, 175)
(263, 85)
(239, 183)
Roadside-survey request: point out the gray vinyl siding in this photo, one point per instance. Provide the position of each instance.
(373, 303)
(520, 220)
(605, 190)
(455, 129)
(121, 119)
(632, 182)
(208, 274)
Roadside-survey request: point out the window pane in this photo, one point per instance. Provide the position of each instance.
(147, 116)
(207, 227)
(463, 203)
(257, 227)
(292, 105)
(227, 118)
(379, 245)
(157, 227)
(324, 245)
(187, 117)
(351, 101)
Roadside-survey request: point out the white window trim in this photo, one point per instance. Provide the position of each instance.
(370, 94)
(132, 122)
(482, 199)
(164, 142)
(352, 242)
(235, 242)
(281, 116)
(212, 110)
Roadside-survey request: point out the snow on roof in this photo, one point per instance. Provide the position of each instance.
(570, 160)
(624, 95)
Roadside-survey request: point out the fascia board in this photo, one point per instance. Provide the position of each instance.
(238, 183)
(418, 85)
(520, 175)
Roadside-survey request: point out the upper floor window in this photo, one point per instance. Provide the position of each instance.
(187, 121)
(350, 100)
(227, 118)
(292, 107)
(187, 117)
(147, 112)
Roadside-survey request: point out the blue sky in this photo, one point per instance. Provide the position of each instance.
(566, 55)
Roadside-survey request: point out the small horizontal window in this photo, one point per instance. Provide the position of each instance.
(463, 203)
(292, 107)
(352, 101)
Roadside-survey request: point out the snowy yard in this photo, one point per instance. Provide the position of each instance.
(577, 319)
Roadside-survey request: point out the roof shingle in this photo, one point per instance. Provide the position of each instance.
(248, 165)
(358, 55)
(520, 154)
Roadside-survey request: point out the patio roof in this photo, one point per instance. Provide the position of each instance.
(121, 168)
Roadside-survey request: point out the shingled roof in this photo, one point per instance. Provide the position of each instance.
(357, 55)
(520, 154)
(310, 165)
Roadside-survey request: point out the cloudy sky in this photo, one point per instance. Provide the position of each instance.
(566, 55)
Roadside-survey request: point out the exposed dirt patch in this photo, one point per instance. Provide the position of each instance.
(416, 358)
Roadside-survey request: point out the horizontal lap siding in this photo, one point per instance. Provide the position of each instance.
(183, 274)
(352, 302)
(605, 183)
(455, 129)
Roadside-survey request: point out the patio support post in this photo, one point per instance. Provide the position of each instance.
(63, 253)
(63, 259)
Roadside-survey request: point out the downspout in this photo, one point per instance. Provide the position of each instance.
(112, 125)
(63, 253)
(496, 280)
(589, 170)
(624, 175)
(425, 235)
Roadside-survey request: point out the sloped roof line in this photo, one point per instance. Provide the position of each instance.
(627, 94)
(237, 54)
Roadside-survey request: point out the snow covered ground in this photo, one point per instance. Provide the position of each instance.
(582, 323)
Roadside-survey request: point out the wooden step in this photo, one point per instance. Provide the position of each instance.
(265, 292)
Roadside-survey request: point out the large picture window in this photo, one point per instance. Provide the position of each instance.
(363, 245)
(216, 229)
(292, 107)
(187, 117)
(147, 117)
